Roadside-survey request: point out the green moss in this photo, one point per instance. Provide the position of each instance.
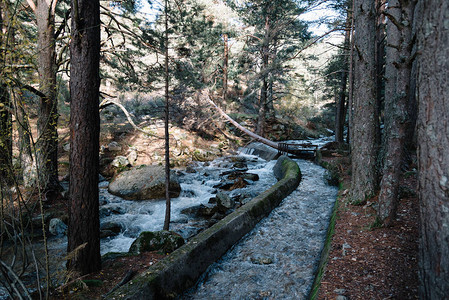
(325, 253)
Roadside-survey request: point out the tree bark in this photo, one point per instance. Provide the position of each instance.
(47, 123)
(365, 119)
(397, 91)
(167, 136)
(6, 176)
(264, 89)
(84, 224)
(25, 153)
(225, 69)
(433, 142)
(341, 102)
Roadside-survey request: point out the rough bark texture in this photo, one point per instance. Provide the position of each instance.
(5, 136)
(433, 142)
(225, 69)
(84, 224)
(47, 141)
(397, 90)
(167, 122)
(26, 157)
(365, 118)
(264, 89)
(5, 112)
(341, 100)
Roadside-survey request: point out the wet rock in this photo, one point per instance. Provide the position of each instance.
(261, 260)
(109, 229)
(112, 226)
(190, 169)
(224, 185)
(166, 241)
(118, 210)
(200, 211)
(144, 183)
(233, 173)
(105, 212)
(57, 227)
(250, 176)
(240, 165)
(224, 200)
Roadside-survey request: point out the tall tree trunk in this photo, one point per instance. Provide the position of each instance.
(433, 142)
(167, 136)
(225, 69)
(264, 89)
(380, 61)
(397, 91)
(6, 176)
(365, 122)
(25, 153)
(5, 136)
(47, 141)
(349, 136)
(341, 100)
(84, 223)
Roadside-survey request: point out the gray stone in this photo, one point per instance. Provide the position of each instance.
(341, 297)
(57, 227)
(159, 240)
(224, 200)
(112, 226)
(340, 291)
(114, 146)
(250, 176)
(120, 162)
(261, 260)
(132, 156)
(144, 183)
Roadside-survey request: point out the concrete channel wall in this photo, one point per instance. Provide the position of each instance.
(182, 268)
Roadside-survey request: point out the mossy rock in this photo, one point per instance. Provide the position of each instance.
(164, 240)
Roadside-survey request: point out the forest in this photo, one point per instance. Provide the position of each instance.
(91, 90)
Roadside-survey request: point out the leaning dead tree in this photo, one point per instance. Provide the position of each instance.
(240, 127)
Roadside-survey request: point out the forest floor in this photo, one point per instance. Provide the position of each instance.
(371, 262)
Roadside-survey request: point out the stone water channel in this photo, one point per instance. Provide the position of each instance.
(279, 257)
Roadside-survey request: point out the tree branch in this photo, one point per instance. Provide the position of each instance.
(32, 5)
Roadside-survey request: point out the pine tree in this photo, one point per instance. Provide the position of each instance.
(84, 223)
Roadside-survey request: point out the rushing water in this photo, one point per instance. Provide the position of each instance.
(197, 188)
(278, 258)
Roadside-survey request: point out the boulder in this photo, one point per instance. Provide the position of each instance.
(144, 183)
(57, 227)
(164, 240)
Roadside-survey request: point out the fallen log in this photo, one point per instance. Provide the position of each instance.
(240, 127)
(300, 150)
